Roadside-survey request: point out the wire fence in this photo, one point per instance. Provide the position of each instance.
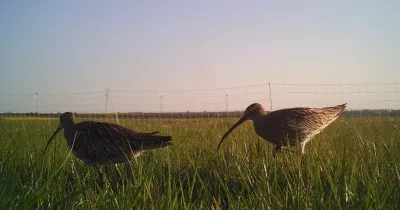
(230, 101)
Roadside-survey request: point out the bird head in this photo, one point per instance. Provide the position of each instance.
(252, 112)
(67, 119)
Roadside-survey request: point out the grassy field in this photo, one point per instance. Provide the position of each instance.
(353, 164)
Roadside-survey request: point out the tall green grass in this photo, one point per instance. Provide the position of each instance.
(353, 164)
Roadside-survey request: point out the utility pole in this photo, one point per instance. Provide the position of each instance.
(106, 99)
(270, 95)
(161, 102)
(226, 103)
(36, 100)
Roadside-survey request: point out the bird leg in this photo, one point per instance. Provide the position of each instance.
(301, 148)
(116, 168)
(73, 169)
(100, 175)
(121, 172)
(276, 150)
(279, 148)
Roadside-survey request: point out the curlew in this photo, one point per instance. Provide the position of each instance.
(98, 143)
(287, 127)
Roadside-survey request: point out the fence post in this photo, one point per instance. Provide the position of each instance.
(112, 102)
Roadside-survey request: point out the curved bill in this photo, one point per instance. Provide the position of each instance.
(51, 138)
(240, 121)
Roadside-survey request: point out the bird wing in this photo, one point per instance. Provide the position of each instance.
(300, 123)
(106, 141)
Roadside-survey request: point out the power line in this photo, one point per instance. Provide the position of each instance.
(73, 93)
(210, 89)
(342, 92)
(333, 84)
(190, 90)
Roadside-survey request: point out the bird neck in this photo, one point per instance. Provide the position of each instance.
(69, 134)
(258, 118)
(259, 114)
(258, 123)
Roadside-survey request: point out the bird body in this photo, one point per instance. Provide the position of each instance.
(98, 143)
(289, 126)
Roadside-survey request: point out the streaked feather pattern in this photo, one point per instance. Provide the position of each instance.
(104, 143)
(98, 143)
(295, 124)
(288, 126)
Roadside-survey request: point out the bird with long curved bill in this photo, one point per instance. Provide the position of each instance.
(285, 127)
(98, 143)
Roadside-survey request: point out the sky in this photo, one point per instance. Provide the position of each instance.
(199, 55)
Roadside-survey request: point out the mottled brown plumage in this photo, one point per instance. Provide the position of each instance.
(98, 143)
(288, 126)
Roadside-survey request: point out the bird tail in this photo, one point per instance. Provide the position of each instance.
(342, 109)
(334, 111)
(154, 142)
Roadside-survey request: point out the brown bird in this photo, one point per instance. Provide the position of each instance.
(288, 126)
(98, 143)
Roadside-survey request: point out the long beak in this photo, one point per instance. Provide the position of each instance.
(51, 138)
(240, 121)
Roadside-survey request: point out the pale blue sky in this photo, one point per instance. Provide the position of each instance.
(84, 46)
